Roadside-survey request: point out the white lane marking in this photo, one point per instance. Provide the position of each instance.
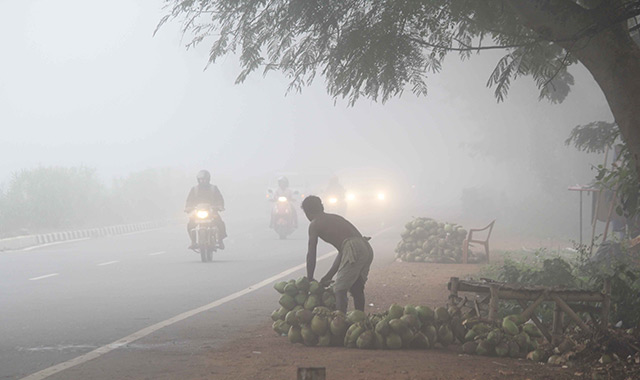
(54, 243)
(45, 276)
(108, 263)
(156, 253)
(180, 317)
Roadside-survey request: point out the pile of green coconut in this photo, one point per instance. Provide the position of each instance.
(306, 315)
(427, 240)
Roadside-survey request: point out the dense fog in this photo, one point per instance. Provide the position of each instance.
(85, 87)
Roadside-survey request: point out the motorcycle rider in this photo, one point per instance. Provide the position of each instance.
(283, 190)
(205, 192)
(335, 188)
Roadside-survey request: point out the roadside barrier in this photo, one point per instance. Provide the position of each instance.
(21, 242)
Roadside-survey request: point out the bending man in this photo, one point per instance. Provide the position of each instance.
(351, 266)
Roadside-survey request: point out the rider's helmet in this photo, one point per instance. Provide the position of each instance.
(283, 182)
(203, 177)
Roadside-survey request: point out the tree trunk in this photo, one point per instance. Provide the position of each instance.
(611, 56)
(614, 61)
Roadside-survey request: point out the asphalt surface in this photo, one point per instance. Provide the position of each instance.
(61, 301)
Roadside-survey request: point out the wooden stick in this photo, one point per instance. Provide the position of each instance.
(606, 303)
(475, 304)
(493, 302)
(557, 325)
(543, 329)
(531, 308)
(570, 313)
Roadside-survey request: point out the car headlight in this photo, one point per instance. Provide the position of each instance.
(333, 200)
(351, 197)
(202, 214)
(282, 199)
(381, 196)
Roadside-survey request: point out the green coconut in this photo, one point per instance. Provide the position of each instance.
(291, 318)
(304, 316)
(430, 332)
(393, 341)
(300, 298)
(287, 302)
(410, 309)
(395, 311)
(515, 318)
(470, 348)
(382, 327)
(311, 302)
(445, 336)
(484, 348)
(329, 299)
(276, 315)
(338, 326)
(352, 335)
(470, 336)
(276, 326)
(319, 325)
(291, 290)
(356, 316)
(407, 337)
(509, 327)
(365, 340)
(514, 349)
(295, 334)
(378, 341)
(420, 341)
(442, 315)
(302, 284)
(324, 340)
(458, 330)
(279, 286)
(425, 313)
(494, 337)
(398, 326)
(308, 336)
(411, 321)
(532, 330)
(502, 349)
(315, 287)
(283, 328)
(481, 328)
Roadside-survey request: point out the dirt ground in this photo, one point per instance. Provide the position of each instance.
(260, 354)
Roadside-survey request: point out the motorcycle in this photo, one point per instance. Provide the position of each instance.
(335, 204)
(282, 217)
(206, 231)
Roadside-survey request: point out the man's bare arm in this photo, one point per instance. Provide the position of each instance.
(334, 269)
(312, 250)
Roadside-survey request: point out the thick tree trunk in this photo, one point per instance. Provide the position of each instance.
(614, 61)
(610, 55)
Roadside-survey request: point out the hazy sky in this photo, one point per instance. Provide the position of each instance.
(84, 82)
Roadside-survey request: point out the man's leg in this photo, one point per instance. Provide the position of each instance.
(192, 233)
(357, 292)
(342, 301)
(222, 231)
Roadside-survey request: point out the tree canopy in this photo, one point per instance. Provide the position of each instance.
(379, 48)
(376, 48)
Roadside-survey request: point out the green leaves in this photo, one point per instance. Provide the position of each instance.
(372, 48)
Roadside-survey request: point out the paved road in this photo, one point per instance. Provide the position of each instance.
(61, 301)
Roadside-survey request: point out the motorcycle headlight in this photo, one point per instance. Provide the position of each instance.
(282, 199)
(351, 197)
(381, 196)
(333, 200)
(202, 214)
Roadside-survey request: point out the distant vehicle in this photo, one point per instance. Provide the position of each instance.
(283, 217)
(206, 232)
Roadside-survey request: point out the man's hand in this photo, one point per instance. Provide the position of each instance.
(326, 280)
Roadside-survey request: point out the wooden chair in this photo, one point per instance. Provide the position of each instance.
(470, 239)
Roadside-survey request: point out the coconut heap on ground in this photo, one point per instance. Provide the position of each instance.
(427, 240)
